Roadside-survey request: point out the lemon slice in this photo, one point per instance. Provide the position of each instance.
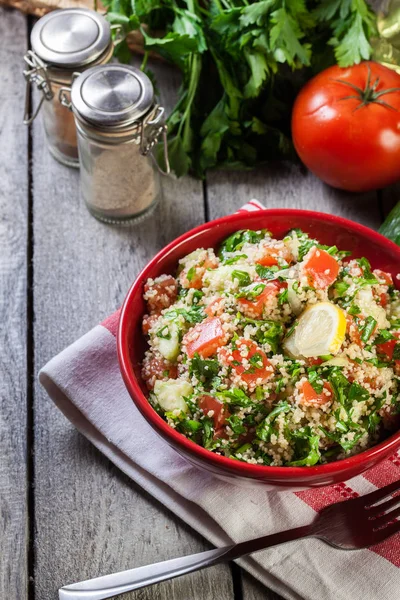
(320, 330)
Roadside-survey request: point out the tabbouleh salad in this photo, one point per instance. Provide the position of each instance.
(275, 352)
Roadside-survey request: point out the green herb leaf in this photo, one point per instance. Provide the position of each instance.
(264, 429)
(307, 448)
(268, 332)
(236, 424)
(340, 385)
(396, 351)
(316, 382)
(354, 310)
(190, 426)
(357, 392)
(384, 336)
(242, 276)
(252, 291)
(234, 259)
(208, 432)
(341, 288)
(368, 328)
(267, 272)
(194, 314)
(191, 273)
(237, 240)
(235, 397)
(204, 369)
(283, 297)
(164, 333)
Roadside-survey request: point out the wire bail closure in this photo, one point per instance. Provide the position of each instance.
(145, 148)
(36, 74)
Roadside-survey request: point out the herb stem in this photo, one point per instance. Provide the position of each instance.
(144, 61)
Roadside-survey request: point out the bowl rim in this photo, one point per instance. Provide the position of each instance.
(187, 445)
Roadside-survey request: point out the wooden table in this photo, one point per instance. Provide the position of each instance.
(67, 513)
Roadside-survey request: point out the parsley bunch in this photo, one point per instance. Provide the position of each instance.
(237, 59)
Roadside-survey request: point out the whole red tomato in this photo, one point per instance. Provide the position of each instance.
(346, 126)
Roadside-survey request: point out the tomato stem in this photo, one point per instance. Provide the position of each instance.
(369, 94)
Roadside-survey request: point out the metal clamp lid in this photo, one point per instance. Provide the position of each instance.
(71, 37)
(114, 100)
(112, 96)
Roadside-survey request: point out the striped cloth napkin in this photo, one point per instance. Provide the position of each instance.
(85, 383)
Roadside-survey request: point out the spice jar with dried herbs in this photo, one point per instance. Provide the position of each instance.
(118, 124)
(64, 43)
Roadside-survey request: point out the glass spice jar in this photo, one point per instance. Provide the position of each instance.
(118, 124)
(64, 43)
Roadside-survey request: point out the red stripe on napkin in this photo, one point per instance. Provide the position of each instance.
(318, 498)
(111, 323)
(384, 472)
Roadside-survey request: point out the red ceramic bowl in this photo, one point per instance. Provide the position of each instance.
(329, 230)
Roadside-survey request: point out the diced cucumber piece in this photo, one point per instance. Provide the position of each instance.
(170, 346)
(216, 278)
(170, 394)
(293, 298)
(366, 301)
(192, 258)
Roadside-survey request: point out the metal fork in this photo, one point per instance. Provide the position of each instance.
(350, 525)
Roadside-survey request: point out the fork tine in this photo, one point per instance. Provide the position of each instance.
(383, 519)
(382, 534)
(373, 511)
(382, 493)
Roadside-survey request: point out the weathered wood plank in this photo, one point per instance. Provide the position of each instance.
(286, 186)
(90, 518)
(13, 310)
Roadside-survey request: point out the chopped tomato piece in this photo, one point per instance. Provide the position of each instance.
(158, 368)
(383, 299)
(193, 278)
(321, 268)
(314, 361)
(248, 361)
(353, 331)
(388, 347)
(148, 322)
(311, 397)
(254, 308)
(161, 292)
(383, 276)
(271, 255)
(215, 308)
(219, 410)
(205, 338)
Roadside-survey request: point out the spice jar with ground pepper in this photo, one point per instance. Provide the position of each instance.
(64, 43)
(118, 124)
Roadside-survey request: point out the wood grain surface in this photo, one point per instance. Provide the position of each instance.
(13, 311)
(89, 518)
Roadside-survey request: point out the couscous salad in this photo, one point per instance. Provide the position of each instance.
(275, 352)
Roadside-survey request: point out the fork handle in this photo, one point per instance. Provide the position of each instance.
(113, 585)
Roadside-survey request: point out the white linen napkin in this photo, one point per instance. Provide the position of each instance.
(85, 383)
